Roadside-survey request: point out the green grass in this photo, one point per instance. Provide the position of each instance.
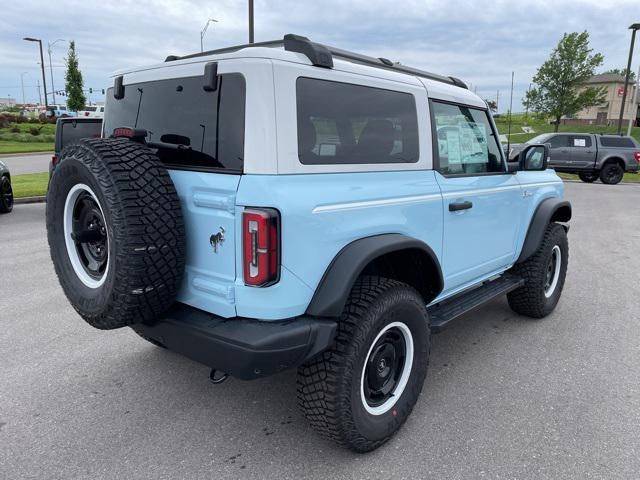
(628, 177)
(30, 185)
(24, 142)
(25, 147)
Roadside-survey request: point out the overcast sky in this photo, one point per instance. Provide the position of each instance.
(479, 42)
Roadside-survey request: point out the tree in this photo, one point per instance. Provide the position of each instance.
(559, 84)
(73, 81)
(622, 72)
(492, 104)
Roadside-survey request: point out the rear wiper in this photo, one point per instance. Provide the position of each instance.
(138, 112)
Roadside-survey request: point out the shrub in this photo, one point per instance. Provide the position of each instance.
(34, 130)
(15, 129)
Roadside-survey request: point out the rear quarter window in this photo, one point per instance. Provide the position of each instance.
(620, 142)
(342, 123)
(189, 127)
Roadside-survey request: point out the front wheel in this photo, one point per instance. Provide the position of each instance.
(544, 274)
(588, 177)
(360, 392)
(612, 174)
(6, 195)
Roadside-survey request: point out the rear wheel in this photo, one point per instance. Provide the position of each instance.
(360, 392)
(588, 177)
(611, 173)
(6, 195)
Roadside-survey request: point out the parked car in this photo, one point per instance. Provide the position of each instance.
(279, 205)
(6, 191)
(72, 130)
(591, 156)
(59, 111)
(96, 111)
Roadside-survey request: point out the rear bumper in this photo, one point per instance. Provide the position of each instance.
(242, 347)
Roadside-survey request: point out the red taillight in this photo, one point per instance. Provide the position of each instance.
(636, 155)
(261, 246)
(123, 132)
(54, 160)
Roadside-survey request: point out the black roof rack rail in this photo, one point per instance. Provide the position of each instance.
(322, 56)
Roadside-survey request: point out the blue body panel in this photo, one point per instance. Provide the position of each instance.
(481, 239)
(322, 213)
(208, 205)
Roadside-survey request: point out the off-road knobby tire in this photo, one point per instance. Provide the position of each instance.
(329, 386)
(530, 300)
(611, 174)
(144, 226)
(6, 195)
(588, 177)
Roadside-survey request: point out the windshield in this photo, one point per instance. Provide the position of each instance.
(539, 139)
(189, 126)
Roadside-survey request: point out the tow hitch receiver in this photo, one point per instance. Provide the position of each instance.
(219, 379)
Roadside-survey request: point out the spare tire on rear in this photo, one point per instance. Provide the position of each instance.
(115, 232)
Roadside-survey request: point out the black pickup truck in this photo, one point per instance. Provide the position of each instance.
(591, 156)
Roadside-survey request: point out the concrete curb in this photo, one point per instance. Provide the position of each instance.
(25, 200)
(621, 184)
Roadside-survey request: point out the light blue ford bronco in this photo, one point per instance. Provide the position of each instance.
(288, 204)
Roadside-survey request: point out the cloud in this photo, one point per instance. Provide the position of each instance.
(480, 42)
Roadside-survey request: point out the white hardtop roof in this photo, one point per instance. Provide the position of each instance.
(435, 89)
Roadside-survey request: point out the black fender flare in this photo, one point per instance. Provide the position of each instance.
(336, 284)
(550, 210)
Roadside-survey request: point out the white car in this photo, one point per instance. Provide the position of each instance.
(92, 112)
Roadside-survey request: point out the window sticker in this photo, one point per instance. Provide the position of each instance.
(453, 146)
(579, 142)
(473, 143)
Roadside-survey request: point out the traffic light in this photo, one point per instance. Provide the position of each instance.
(90, 90)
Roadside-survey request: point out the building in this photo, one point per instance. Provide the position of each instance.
(7, 102)
(608, 112)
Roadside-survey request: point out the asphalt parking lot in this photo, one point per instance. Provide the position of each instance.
(505, 397)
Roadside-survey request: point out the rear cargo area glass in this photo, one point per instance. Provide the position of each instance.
(191, 128)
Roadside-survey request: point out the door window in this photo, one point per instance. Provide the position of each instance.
(466, 142)
(559, 141)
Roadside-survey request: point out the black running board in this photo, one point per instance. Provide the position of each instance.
(451, 308)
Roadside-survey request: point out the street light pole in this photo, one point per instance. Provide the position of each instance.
(53, 89)
(22, 85)
(633, 28)
(44, 80)
(250, 21)
(634, 103)
(203, 31)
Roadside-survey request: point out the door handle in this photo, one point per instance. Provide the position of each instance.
(454, 207)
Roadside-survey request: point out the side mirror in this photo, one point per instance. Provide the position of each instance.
(534, 158)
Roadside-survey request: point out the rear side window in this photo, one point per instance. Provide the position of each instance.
(466, 142)
(191, 128)
(342, 123)
(622, 142)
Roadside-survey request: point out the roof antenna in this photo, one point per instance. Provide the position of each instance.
(509, 124)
